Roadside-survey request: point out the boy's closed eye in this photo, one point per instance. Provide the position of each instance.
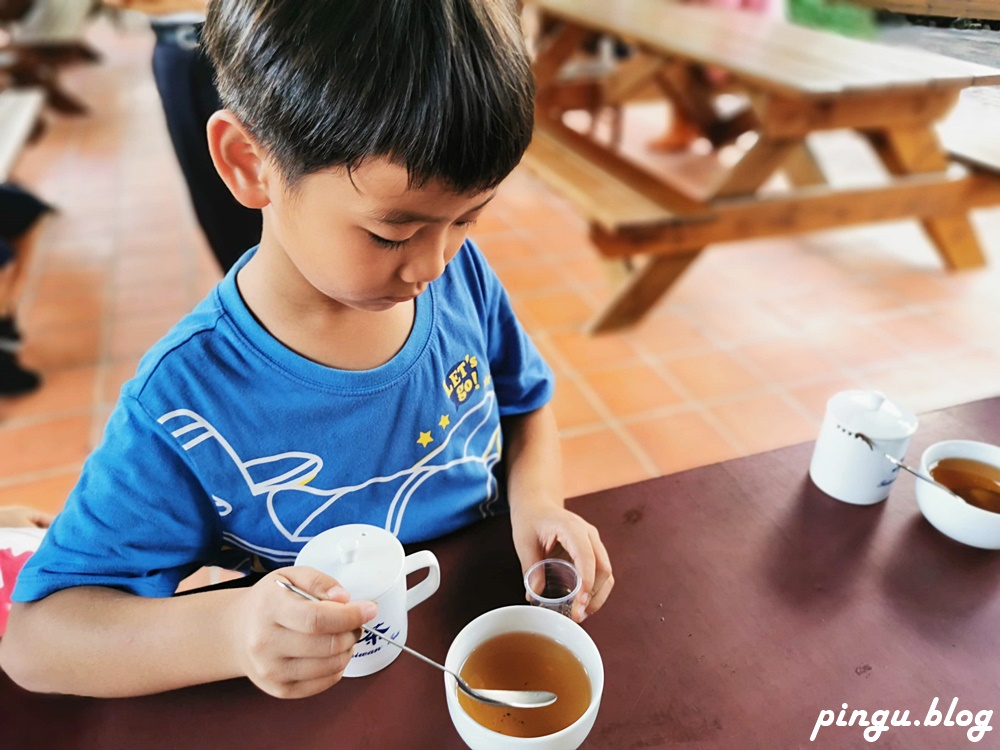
(391, 244)
(386, 242)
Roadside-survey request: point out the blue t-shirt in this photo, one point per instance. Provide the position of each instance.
(229, 449)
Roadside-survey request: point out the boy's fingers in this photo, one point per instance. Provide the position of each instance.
(41, 520)
(298, 645)
(303, 689)
(315, 582)
(325, 617)
(603, 579)
(598, 599)
(583, 559)
(309, 670)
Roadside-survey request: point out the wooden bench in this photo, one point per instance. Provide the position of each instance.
(55, 29)
(19, 117)
(969, 134)
(619, 200)
(601, 198)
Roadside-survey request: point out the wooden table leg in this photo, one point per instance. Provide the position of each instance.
(763, 159)
(802, 168)
(648, 283)
(641, 290)
(28, 69)
(559, 47)
(915, 150)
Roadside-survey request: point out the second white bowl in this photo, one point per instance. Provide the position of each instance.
(951, 515)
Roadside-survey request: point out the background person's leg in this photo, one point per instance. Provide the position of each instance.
(187, 90)
(20, 221)
(14, 379)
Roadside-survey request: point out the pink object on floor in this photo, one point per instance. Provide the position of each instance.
(16, 546)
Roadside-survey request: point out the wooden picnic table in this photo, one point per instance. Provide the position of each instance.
(797, 81)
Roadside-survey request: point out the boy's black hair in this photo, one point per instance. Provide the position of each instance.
(442, 87)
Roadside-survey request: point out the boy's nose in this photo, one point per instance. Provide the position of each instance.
(425, 265)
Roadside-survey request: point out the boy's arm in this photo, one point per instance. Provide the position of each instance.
(91, 640)
(538, 517)
(98, 641)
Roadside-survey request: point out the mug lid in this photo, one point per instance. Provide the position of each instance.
(365, 560)
(873, 414)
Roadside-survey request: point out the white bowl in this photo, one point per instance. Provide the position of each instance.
(951, 515)
(530, 620)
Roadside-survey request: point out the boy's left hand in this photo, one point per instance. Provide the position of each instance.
(13, 516)
(537, 532)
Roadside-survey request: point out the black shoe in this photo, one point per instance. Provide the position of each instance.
(10, 336)
(14, 379)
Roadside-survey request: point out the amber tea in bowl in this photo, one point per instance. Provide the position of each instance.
(975, 482)
(525, 648)
(526, 661)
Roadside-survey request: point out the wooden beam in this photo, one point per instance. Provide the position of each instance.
(561, 46)
(631, 77)
(918, 150)
(782, 117)
(641, 291)
(583, 94)
(802, 168)
(757, 165)
(909, 150)
(624, 171)
(956, 242)
(813, 209)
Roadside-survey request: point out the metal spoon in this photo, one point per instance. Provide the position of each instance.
(504, 698)
(895, 461)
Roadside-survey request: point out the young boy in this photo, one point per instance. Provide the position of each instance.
(360, 366)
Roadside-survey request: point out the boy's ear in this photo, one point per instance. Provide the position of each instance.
(238, 160)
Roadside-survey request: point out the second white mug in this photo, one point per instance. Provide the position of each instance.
(846, 467)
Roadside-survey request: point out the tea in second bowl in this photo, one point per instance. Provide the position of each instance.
(951, 515)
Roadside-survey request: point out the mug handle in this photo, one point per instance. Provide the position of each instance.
(422, 559)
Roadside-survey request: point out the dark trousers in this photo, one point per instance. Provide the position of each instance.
(184, 79)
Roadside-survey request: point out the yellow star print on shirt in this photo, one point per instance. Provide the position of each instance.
(444, 421)
(425, 439)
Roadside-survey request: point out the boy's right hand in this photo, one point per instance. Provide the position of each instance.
(291, 647)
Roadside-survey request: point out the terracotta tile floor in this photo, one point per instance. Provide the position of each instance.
(740, 358)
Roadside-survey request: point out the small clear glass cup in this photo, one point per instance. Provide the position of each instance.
(553, 584)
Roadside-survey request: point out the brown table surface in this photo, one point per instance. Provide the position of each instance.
(746, 602)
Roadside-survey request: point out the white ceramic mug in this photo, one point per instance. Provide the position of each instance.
(846, 467)
(370, 563)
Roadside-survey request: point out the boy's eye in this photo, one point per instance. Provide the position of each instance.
(466, 223)
(386, 243)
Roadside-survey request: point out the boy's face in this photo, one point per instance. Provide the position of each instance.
(368, 241)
